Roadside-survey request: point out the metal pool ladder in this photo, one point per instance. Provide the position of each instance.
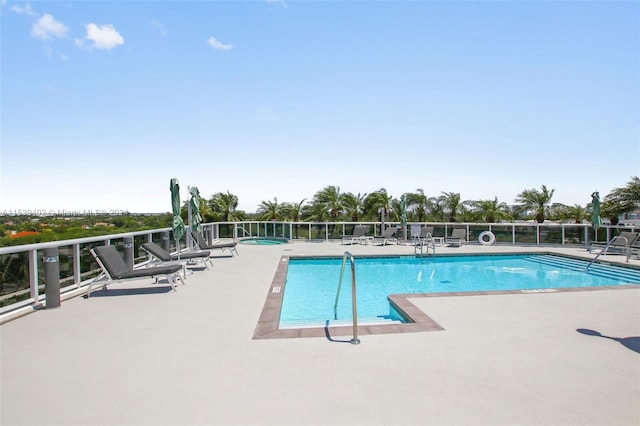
(354, 308)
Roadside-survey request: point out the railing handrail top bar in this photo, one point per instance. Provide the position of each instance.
(60, 243)
(526, 223)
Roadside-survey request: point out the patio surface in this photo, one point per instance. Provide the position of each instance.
(139, 355)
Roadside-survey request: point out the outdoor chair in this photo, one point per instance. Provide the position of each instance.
(457, 238)
(358, 235)
(160, 255)
(415, 232)
(222, 245)
(423, 239)
(388, 236)
(114, 268)
(423, 236)
(622, 243)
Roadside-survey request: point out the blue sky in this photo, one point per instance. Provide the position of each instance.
(102, 103)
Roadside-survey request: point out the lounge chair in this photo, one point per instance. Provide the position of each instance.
(457, 238)
(388, 236)
(160, 255)
(618, 244)
(415, 232)
(423, 236)
(423, 239)
(222, 245)
(358, 235)
(114, 268)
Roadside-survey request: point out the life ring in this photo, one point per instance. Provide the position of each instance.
(491, 241)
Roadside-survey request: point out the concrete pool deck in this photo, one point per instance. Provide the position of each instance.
(139, 355)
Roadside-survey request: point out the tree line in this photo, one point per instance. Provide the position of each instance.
(330, 204)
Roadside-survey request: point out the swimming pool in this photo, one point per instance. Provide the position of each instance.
(310, 287)
(263, 241)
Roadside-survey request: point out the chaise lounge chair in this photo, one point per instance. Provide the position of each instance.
(388, 236)
(619, 244)
(222, 245)
(114, 268)
(457, 238)
(161, 255)
(424, 238)
(424, 235)
(358, 236)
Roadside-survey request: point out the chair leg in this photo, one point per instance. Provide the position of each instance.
(172, 281)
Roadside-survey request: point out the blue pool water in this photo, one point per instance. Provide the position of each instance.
(263, 241)
(311, 284)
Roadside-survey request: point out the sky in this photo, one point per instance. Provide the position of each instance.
(102, 103)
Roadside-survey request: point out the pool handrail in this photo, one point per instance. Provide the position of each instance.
(354, 307)
(625, 244)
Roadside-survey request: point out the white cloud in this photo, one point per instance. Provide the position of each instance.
(24, 10)
(218, 45)
(103, 36)
(47, 27)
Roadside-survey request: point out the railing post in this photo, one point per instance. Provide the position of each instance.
(77, 279)
(33, 275)
(128, 251)
(51, 277)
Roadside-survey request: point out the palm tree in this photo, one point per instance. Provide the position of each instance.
(419, 203)
(575, 213)
(224, 205)
(313, 212)
(622, 200)
(268, 210)
(295, 213)
(332, 200)
(537, 201)
(297, 207)
(491, 211)
(377, 202)
(354, 205)
(451, 203)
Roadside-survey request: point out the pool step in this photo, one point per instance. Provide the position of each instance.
(338, 323)
(625, 274)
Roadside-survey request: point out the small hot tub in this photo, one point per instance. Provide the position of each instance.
(263, 241)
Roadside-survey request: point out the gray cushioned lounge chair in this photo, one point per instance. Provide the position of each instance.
(160, 255)
(457, 238)
(358, 235)
(222, 245)
(114, 268)
(388, 236)
(627, 240)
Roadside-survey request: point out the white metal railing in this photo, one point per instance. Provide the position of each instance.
(78, 267)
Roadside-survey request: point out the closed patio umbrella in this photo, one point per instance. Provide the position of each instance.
(194, 202)
(403, 214)
(596, 221)
(177, 224)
